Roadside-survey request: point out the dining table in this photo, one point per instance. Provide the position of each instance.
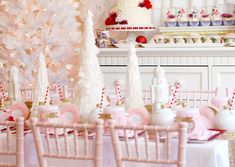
(213, 153)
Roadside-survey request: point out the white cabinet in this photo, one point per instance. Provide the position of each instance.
(223, 76)
(190, 77)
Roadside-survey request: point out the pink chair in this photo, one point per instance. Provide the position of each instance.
(137, 148)
(12, 130)
(55, 140)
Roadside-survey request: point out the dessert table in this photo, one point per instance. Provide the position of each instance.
(208, 154)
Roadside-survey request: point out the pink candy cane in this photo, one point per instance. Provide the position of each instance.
(102, 100)
(60, 92)
(46, 96)
(118, 92)
(232, 100)
(2, 91)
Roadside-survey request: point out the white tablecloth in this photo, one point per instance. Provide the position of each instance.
(209, 154)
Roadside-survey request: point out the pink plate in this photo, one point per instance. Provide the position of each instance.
(19, 109)
(139, 116)
(70, 113)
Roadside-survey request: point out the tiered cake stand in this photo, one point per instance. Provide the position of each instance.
(131, 30)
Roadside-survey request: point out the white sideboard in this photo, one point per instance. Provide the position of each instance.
(195, 68)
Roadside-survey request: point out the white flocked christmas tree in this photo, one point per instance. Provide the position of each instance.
(29, 27)
(90, 77)
(134, 95)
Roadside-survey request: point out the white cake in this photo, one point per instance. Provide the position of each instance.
(130, 13)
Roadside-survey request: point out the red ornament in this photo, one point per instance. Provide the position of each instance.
(141, 39)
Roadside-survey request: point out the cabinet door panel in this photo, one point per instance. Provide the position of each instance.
(190, 77)
(223, 76)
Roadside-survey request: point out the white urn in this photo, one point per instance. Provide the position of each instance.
(225, 119)
(163, 117)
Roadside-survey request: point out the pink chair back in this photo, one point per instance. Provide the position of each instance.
(62, 141)
(12, 133)
(139, 147)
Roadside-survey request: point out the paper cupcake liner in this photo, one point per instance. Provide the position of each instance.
(183, 23)
(216, 22)
(228, 22)
(205, 23)
(193, 23)
(171, 23)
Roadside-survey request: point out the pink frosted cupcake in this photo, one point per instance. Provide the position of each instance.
(204, 18)
(216, 19)
(171, 20)
(182, 18)
(228, 19)
(193, 19)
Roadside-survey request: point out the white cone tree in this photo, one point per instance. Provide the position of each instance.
(41, 81)
(14, 73)
(90, 77)
(134, 94)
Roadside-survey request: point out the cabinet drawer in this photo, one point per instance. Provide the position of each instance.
(190, 77)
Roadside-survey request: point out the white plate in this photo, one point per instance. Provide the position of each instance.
(186, 45)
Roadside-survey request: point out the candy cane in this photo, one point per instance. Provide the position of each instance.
(46, 96)
(118, 92)
(2, 91)
(60, 92)
(101, 107)
(231, 100)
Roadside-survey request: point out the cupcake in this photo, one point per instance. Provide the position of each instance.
(228, 19)
(229, 38)
(193, 19)
(206, 39)
(196, 38)
(179, 40)
(204, 18)
(182, 18)
(216, 39)
(171, 20)
(216, 19)
(158, 39)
